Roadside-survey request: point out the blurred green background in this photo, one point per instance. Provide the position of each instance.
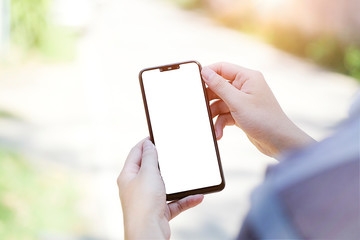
(31, 194)
(33, 31)
(335, 50)
(30, 198)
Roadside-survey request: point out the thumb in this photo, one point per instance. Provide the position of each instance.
(149, 155)
(219, 85)
(184, 204)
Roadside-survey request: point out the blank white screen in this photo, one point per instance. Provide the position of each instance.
(181, 128)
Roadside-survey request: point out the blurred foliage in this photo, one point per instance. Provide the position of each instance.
(33, 203)
(33, 30)
(29, 22)
(7, 114)
(188, 4)
(325, 49)
(352, 60)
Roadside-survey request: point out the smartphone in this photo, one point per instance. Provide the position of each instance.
(180, 125)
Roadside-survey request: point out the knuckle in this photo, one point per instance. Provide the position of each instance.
(180, 207)
(218, 84)
(222, 63)
(119, 180)
(258, 74)
(213, 111)
(134, 149)
(147, 152)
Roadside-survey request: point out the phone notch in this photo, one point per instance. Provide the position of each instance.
(169, 67)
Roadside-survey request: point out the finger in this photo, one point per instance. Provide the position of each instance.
(228, 70)
(149, 156)
(211, 95)
(218, 107)
(221, 87)
(133, 159)
(237, 75)
(184, 204)
(222, 121)
(132, 163)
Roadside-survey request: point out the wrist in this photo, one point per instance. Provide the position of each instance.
(141, 227)
(291, 137)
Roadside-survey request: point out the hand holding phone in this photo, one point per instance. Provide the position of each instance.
(142, 195)
(181, 127)
(243, 98)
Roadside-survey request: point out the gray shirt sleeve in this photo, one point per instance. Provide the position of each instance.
(313, 193)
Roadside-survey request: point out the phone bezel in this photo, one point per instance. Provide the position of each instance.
(205, 190)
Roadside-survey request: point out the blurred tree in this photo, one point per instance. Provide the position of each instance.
(32, 28)
(4, 27)
(326, 51)
(352, 61)
(323, 31)
(188, 4)
(29, 22)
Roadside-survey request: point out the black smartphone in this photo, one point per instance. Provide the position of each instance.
(181, 127)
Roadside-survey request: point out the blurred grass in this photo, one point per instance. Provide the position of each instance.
(324, 49)
(7, 114)
(33, 202)
(32, 30)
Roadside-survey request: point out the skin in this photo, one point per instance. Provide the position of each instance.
(239, 97)
(143, 198)
(243, 98)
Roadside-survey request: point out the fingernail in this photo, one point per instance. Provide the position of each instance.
(148, 145)
(207, 73)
